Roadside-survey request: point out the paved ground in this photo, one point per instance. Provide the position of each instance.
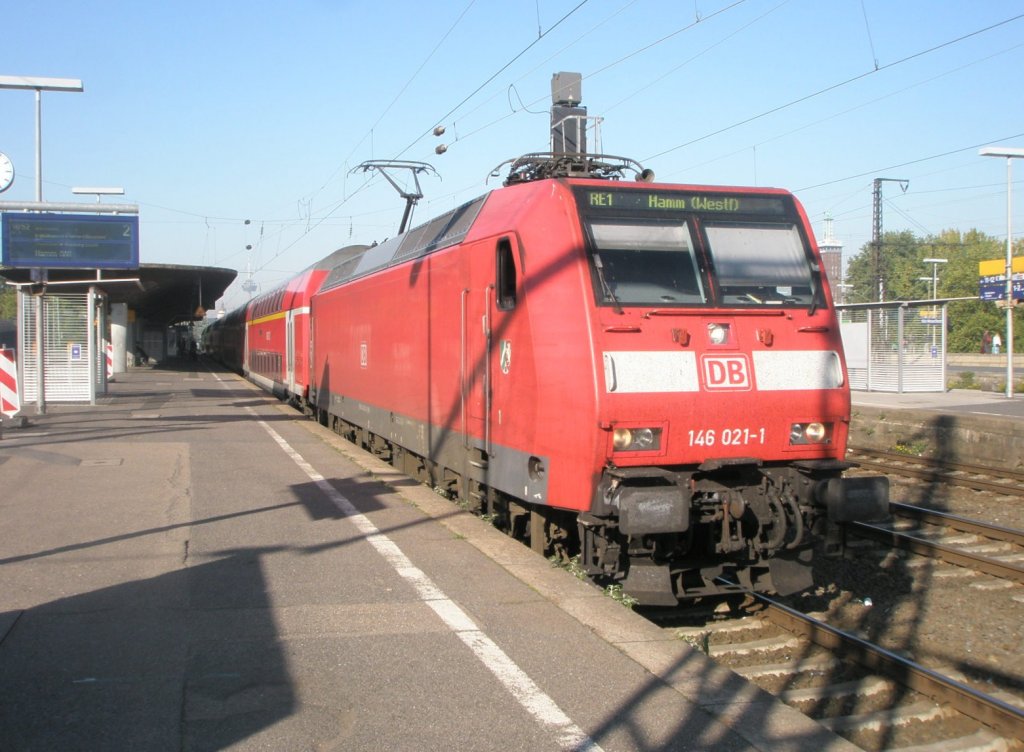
(190, 566)
(954, 401)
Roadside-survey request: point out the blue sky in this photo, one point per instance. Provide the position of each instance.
(212, 113)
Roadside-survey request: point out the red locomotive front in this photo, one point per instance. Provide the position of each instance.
(724, 397)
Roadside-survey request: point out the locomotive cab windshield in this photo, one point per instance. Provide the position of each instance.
(664, 249)
(760, 264)
(646, 263)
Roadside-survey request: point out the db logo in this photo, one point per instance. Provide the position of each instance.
(731, 372)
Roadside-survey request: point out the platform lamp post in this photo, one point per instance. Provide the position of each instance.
(1009, 153)
(39, 84)
(97, 191)
(935, 288)
(935, 274)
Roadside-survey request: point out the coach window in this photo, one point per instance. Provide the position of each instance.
(506, 275)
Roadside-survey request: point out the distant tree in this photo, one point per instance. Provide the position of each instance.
(8, 302)
(967, 320)
(902, 265)
(896, 268)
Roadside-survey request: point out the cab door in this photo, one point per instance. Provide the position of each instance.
(475, 351)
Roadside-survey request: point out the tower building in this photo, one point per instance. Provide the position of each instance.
(832, 258)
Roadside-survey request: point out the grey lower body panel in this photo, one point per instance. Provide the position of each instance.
(502, 468)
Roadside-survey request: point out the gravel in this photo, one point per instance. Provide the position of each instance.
(952, 619)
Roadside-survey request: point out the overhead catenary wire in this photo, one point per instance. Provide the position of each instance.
(600, 70)
(331, 211)
(834, 86)
(848, 110)
(877, 170)
(314, 217)
(398, 96)
(493, 76)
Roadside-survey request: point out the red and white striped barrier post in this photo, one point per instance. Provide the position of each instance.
(10, 401)
(110, 361)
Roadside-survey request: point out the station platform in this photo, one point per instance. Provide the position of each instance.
(959, 425)
(190, 565)
(952, 401)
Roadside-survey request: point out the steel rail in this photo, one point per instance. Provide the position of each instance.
(941, 551)
(935, 472)
(991, 711)
(943, 465)
(964, 525)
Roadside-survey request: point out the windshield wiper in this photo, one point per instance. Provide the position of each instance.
(814, 301)
(604, 283)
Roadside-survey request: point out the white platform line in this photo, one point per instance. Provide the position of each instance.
(533, 699)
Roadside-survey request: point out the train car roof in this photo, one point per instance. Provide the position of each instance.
(337, 257)
(443, 231)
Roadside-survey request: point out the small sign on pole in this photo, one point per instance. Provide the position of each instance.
(992, 279)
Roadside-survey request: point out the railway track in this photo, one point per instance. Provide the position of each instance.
(978, 477)
(877, 699)
(992, 549)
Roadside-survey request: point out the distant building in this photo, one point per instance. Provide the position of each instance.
(832, 259)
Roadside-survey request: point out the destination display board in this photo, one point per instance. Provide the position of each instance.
(70, 241)
(992, 279)
(711, 203)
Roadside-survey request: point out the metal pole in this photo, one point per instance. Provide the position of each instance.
(40, 360)
(899, 349)
(870, 346)
(1009, 277)
(40, 339)
(92, 339)
(944, 345)
(39, 144)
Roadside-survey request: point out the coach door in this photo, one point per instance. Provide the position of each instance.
(289, 350)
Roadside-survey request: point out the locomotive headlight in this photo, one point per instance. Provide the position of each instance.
(815, 433)
(643, 438)
(622, 438)
(810, 433)
(718, 333)
(636, 439)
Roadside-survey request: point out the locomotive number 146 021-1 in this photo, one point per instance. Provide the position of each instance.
(707, 437)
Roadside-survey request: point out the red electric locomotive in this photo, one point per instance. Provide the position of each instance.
(649, 376)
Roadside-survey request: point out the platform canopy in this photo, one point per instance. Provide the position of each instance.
(165, 294)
